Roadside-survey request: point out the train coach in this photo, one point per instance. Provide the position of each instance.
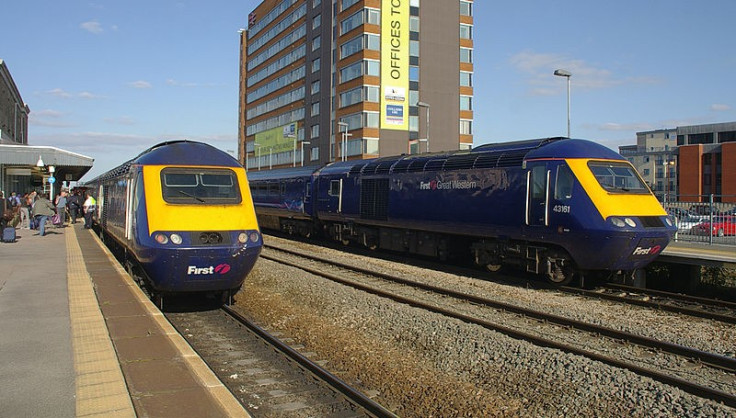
(182, 217)
(557, 207)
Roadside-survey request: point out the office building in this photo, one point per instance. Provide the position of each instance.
(325, 80)
(688, 163)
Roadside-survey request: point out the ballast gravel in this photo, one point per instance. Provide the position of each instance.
(420, 364)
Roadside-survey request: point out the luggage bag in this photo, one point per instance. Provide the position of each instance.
(9, 234)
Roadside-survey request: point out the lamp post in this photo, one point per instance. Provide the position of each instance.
(426, 105)
(667, 163)
(566, 74)
(302, 154)
(344, 140)
(258, 154)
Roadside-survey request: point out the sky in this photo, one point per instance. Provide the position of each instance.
(108, 79)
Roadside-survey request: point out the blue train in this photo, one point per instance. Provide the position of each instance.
(556, 207)
(182, 215)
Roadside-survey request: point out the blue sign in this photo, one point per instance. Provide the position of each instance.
(52, 180)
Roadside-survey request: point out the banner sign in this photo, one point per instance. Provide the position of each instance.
(395, 64)
(277, 140)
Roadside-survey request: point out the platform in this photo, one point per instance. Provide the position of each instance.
(79, 338)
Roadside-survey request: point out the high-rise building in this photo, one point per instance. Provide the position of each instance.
(328, 80)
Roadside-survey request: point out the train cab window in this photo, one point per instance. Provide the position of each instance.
(617, 177)
(334, 188)
(539, 177)
(563, 183)
(195, 186)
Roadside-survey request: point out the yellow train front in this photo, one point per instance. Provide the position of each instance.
(182, 216)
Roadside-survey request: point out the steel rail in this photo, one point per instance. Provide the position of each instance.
(731, 319)
(690, 387)
(360, 399)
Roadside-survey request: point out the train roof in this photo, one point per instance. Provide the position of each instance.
(506, 154)
(179, 152)
(281, 173)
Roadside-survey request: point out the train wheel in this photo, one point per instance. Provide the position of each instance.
(561, 274)
(493, 268)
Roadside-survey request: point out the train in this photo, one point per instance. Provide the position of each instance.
(181, 218)
(559, 208)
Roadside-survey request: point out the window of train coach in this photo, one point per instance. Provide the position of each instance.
(563, 183)
(617, 177)
(210, 186)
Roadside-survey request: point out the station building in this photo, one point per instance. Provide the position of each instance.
(688, 163)
(25, 167)
(329, 80)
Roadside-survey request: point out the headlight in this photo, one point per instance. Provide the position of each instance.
(668, 221)
(630, 222)
(242, 237)
(176, 239)
(160, 238)
(254, 237)
(618, 222)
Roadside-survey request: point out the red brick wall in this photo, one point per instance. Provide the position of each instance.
(728, 166)
(690, 166)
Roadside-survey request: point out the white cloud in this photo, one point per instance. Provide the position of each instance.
(48, 118)
(720, 107)
(91, 27)
(57, 92)
(140, 84)
(540, 67)
(88, 95)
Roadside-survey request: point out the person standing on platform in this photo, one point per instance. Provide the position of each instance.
(74, 206)
(25, 212)
(42, 209)
(90, 205)
(61, 203)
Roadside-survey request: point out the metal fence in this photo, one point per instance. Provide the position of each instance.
(708, 219)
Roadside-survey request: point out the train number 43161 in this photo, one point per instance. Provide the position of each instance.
(561, 209)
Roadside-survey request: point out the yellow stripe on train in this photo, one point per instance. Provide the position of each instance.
(613, 204)
(163, 216)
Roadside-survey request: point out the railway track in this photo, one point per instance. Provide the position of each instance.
(713, 309)
(704, 374)
(268, 377)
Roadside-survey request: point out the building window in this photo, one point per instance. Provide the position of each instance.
(413, 48)
(316, 43)
(414, 3)
(316, 3)
(466, 32)
(348, 3)
(315, 87)
(357, 69)
(316, 64)
(316, 21)
(466, 102)
(315, 109)
(466, 79)
(413, 73)
(466, 127)
(466, 8)
(368, 41)
(358, 95)
(314, 131)
(414, 123)
(466, 55)
(414, 24)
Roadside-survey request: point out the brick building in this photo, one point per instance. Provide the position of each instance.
(323, 81)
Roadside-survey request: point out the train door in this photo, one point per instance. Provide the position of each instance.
(332, 203)
(537, 194)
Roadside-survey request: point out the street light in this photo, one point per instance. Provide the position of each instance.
(304, 143)
(566, 74)
(344, 140)
(667, 163)
(258, 154)
(424, 104)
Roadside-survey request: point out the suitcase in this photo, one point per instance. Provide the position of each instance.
(9, 234)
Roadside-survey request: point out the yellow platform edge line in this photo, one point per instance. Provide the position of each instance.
(202, 372)
(99, 385)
